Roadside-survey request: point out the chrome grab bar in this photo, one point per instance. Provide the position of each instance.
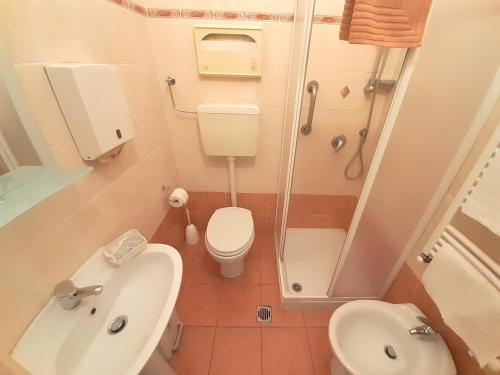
(312, 88)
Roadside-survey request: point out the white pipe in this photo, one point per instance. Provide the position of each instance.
(232, 179)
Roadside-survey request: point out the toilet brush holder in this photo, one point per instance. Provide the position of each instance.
(191, 233)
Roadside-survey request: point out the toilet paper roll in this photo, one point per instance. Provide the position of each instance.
(178, 198)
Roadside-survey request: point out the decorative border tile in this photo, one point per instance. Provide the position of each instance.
(223, 15)
(137, 8)
(257, 16)
(345, 91)
(121, 3)
(334, 20)
(164, 13)
(286, 17)
(219, 14)
(190, 13)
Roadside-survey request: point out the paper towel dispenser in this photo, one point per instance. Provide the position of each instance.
(93, 102)
(228, 50)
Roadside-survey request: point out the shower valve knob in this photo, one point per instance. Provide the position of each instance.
(338, 142)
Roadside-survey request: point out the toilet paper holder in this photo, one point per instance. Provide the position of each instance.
(177, 198)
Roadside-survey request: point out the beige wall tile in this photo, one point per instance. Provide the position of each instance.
(141, 86)
(327, 52)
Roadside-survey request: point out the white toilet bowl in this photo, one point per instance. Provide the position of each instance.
(372, 338)
(229, 236)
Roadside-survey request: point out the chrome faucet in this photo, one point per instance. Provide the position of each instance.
(69, 296)
(424, 330)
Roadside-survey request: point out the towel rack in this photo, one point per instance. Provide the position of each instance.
(446, 232)
(491, 155)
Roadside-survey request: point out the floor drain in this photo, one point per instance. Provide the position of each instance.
(264, 313)
(117, 325)
(390, 352)
(297, 287)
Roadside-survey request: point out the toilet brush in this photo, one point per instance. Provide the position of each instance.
(191, 232)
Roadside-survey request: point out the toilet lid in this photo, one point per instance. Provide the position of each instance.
(230, 231)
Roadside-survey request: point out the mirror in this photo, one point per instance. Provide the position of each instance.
(16, 149)
(28, 173)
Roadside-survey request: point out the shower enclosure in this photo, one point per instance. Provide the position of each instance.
(339, 95)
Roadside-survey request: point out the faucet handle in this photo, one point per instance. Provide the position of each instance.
(428, 326)
(70, 296)
(65, 289)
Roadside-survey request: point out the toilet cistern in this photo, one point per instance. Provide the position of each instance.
(231, 131)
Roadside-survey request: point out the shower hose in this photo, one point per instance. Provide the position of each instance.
(363, 133)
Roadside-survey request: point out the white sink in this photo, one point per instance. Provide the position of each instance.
(361, 331)
(76, 342)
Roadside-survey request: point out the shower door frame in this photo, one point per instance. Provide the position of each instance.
(389, 122)
(302, 70)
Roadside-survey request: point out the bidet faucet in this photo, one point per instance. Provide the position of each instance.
(424, 330)
(69, 296)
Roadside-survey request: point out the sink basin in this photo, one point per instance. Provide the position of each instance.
(77, 341)
(365, 334)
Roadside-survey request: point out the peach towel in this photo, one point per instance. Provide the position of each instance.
(385, 23)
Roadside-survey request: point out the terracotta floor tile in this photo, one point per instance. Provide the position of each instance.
(199, 246)
(238, 305)
(195, 352)
(318, 317)
(285, 351)
(236, 351)
(321, 350)
(198, 304)
(281, 317)
(266, 243)
(404, 285)
(251, 273)
(200, 267)
(268, 271)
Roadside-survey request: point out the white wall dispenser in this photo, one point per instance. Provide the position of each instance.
(93, 102)
(228, 50)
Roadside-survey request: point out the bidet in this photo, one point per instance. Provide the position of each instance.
(371, 338)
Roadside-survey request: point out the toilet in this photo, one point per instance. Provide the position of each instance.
(229, 236)
(229, 130)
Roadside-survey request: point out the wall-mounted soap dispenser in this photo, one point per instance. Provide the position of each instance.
(94, 105)
(228, 50)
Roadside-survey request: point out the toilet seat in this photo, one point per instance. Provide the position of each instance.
(230, 231)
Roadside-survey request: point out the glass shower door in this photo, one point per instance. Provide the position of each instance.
(347, 92)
